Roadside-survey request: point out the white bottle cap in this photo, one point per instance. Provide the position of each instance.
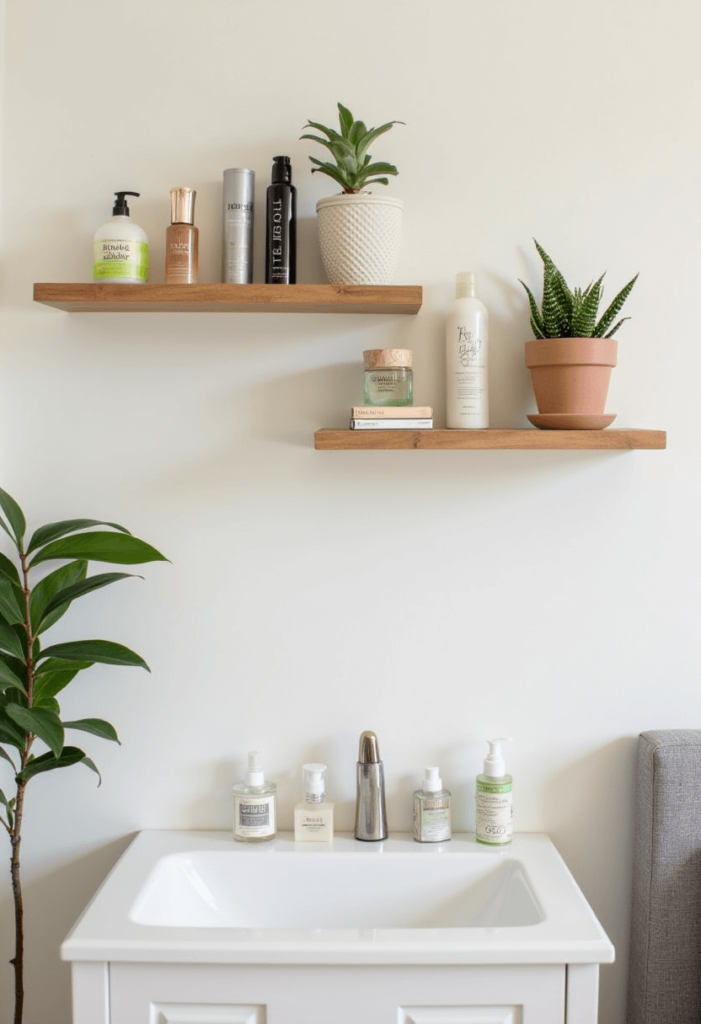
(466, 286)
(255, 776)
(494, 765)
(314, 781)
(432, 781)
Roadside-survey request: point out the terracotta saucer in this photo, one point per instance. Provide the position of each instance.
(570, 421)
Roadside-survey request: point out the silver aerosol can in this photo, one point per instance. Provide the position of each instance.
(237, 247)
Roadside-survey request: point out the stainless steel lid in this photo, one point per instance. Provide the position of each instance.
(182, 205)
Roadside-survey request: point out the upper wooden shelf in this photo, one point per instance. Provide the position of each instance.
(516, 440)
(230, 298)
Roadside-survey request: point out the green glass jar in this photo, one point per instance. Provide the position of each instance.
(389, 377)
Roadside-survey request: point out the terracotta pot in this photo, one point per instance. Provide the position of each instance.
(360, 237)
(571, 375)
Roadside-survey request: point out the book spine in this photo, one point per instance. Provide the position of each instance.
(405, 424)
(391, 412)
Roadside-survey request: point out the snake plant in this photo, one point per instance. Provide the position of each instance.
(353, 168)
(572, 313)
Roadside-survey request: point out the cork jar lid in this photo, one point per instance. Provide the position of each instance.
(374, 358)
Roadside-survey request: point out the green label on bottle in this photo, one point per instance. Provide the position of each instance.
(120, 257)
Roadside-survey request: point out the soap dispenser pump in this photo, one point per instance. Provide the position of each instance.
(255, 805)
(494, 810)
(120, 247)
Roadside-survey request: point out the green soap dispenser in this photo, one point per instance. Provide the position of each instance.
(120, 247)
(494, 811)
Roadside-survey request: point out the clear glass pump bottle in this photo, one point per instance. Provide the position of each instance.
(432, 810)
(313, 815)
(255, 805)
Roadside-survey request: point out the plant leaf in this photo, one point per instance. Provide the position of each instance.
(10, 642)
(48, 684)
(42, 723)
(10, 601)
(52, 531)
(101, 546)
(15, 518)
(60, 665)
(614, 309)
(62, 600)
(10, 731)
(345, 118)
(96, 726)
(536, 319)
(3, 753)
(104, 651)
(46, 590)
(48, 762)
(9, 804)
(8, 677)
(9, 569)
(614, 329)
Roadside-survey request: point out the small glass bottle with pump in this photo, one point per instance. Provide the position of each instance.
(432, 810)
(314, 816)
(182, 238)
(389, 377)
(255, 805)
(494, 811)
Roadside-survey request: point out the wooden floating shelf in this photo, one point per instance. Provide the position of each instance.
(230, 298)
(515, 440)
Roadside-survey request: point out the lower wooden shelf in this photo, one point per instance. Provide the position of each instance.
(528, 439)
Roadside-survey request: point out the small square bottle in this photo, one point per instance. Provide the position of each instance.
(313, 815)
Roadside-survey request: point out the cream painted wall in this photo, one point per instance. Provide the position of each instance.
(437, 598)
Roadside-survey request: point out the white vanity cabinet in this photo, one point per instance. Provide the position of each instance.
(191, 928)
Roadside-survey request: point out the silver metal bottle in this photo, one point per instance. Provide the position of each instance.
(237, 245)
(370, 810)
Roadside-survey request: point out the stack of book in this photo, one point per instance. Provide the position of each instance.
(391, 417)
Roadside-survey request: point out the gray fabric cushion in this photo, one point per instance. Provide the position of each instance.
(664, 982)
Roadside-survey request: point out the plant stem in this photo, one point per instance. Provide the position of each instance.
(18, 960)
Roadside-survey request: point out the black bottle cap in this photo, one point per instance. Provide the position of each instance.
(282, 170)
(120, 208)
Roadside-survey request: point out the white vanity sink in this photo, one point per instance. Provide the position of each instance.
(201, 900)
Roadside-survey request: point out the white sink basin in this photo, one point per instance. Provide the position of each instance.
(201, 897)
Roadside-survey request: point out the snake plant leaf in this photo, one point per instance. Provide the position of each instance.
(48, 762)
(48, 684)
(15, 518)
(9, 569)
(42, 723)
(52, 531)
(8, 678)
(46, 590)
(96, 726)
(60, 603)
(584, 319)
(101, 546)
(9, 641)
(614, 329)
(106, 652)
(11, 601)
(614, 309)
(554, 316)
(536, 319)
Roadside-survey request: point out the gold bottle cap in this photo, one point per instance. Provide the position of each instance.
(383, 357)
(182, 205)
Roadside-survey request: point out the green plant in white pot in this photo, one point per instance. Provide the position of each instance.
(32, 676)
(573, 352)
(359, 232)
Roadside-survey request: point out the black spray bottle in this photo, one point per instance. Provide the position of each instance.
(281, 225)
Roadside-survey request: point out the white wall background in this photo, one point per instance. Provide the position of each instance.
(437, 598)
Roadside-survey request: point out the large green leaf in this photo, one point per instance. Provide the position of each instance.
(15, 518)
(8, 677)
(10, 642)
(42, 723)
(10, 732)
(6, 756)
(613, 310)
(104, 651)
(63, 598)
(60, 665)
(11, 601)
(48, 762)
(9, 569)
(96, 726)
(48, 684)
(46, 590)
(52, 531)
(101, 546)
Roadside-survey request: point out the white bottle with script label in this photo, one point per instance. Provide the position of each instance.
(467, 357)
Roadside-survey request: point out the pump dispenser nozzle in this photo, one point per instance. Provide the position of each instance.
(494, 764)
(120, 208)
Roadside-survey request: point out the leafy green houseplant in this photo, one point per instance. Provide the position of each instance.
(32, 675)
(574, 350)
(359, 232)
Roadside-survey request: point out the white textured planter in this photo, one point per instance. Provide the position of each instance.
(360, 237)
